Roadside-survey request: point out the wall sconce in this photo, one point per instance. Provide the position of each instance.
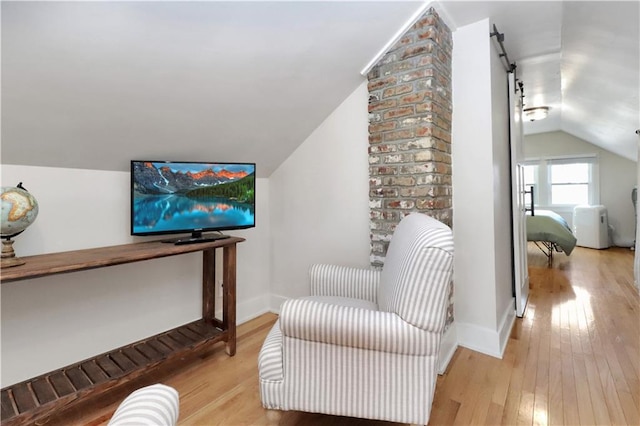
(536, 113)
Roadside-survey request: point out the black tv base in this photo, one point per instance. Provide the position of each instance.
(203, 238)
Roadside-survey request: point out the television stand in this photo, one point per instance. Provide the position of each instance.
(35, 400)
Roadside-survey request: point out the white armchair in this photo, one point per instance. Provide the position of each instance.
(366, 343)
(155, 405)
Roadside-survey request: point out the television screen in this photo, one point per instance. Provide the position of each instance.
(169, 197)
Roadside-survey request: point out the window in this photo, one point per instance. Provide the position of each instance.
(563, 182)
(570, 183)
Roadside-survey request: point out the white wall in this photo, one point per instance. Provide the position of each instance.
(617, 178)
(313, 208)
(51, 322)
(320, 200)
(320, 205)
(482, 266)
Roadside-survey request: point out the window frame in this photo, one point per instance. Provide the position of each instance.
(542, 175)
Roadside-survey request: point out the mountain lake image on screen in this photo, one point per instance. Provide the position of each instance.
(179, 197)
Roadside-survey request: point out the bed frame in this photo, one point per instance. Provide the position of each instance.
(546, 247)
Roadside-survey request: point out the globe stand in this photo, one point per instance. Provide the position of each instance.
(9, 258)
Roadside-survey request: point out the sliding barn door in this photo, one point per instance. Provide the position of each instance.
(520, 266)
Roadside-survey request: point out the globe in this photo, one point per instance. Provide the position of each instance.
(19, 210)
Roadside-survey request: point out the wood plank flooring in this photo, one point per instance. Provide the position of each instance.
(573, 360)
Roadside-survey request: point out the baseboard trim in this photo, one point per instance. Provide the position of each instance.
(485, 340)
(479, 339)
(506, 325)
(448, 346)
(276, 302)
(249, 309)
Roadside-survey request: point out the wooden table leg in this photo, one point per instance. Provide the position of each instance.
(208, 285)
(229, 298)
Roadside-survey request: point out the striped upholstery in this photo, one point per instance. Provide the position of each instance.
(420, 252)
(373, 358)
(347, 326)
(156, 405)
(270, 357)
(334, 280)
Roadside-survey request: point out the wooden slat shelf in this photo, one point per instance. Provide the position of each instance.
(37, 398)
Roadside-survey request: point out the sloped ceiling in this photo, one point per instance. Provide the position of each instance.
(580, 58)
(600, 68)
(95, 84)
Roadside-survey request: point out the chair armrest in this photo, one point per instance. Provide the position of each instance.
(151, 405)
(344, 281)
(355, 327)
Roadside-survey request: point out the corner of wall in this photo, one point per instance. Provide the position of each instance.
(507, 321)
(487, 340)
(275, 303)
(448, 346)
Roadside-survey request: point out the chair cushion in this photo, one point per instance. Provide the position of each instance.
(156, 405)
(344, 301)
(417, 272)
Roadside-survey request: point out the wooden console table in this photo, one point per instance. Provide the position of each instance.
(42, 396)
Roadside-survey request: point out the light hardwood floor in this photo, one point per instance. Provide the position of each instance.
(574, 359)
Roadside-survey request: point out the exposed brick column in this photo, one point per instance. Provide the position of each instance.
(410, 131)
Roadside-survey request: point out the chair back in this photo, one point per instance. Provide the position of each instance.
(417, 271)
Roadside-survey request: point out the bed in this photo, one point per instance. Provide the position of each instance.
(550, 232)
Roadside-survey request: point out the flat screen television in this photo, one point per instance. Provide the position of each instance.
(172, 197)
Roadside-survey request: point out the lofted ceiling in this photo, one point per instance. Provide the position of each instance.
(580, 58)
(96, 84)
